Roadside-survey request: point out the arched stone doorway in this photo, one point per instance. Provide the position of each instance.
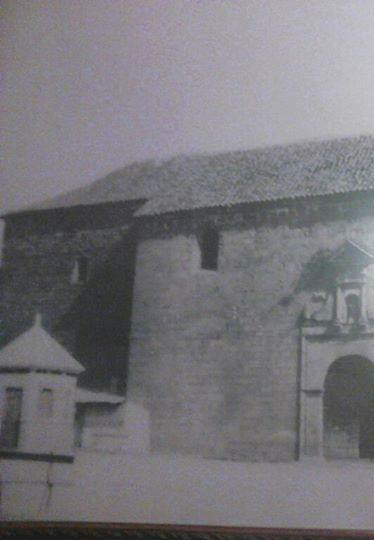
(348, 409)
(326, 359)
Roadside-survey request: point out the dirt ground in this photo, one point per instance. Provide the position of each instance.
(168, 489)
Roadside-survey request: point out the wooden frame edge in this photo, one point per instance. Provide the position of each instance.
(35, 529)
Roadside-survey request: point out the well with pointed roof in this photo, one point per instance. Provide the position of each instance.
(37, 392)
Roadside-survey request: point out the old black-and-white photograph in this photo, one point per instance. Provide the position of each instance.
(187, 270)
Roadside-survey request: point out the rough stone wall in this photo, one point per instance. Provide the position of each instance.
(91, 320)
(214, 355)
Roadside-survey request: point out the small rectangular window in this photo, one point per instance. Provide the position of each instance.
(11, 419)
(209, 248)
(80, 270)
(45, 408)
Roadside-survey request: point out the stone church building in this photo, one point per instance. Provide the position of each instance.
(229, 297)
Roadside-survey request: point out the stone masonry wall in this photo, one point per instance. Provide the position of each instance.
(214, 354)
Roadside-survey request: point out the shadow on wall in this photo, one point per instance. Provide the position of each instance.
(101, 317)
(318, 274)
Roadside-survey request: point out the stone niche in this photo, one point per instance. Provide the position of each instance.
(337, 359)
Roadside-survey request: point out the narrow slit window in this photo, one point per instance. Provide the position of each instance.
(80, 270)
(11, 420)
(209, 248)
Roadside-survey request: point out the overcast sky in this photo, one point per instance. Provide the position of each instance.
(89, 85)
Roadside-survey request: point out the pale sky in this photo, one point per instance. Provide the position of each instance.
(89, 85)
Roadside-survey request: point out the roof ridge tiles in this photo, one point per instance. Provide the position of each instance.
(185, 182)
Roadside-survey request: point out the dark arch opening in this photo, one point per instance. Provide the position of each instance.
(348, 408)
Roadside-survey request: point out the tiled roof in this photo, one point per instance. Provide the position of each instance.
(283, 172)
(265, 174)
(135, 181)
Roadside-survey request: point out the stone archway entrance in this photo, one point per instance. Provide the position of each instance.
(336, 381)
(348, 409)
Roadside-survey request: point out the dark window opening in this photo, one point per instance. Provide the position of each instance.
(11, 421)
(78, 425)
(209, 248)
(80, 270)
